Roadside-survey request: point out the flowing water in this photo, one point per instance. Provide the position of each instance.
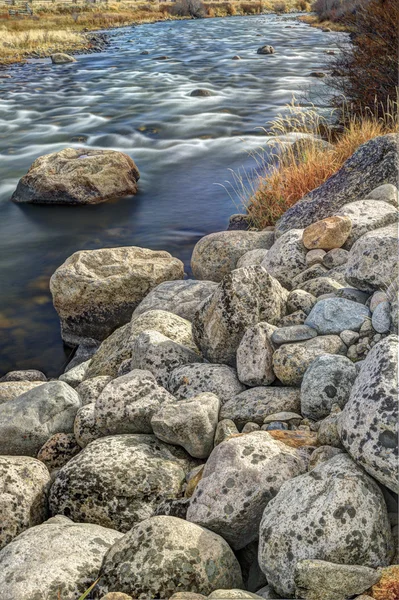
(183, 146)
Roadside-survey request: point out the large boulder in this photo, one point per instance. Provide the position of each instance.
(240, 477)
(78, 176)
(127, 404)
(366, 215)
(373, 259)
(368, 424)
(164, 555)
(119, 480)
(216, 255)
(286, 258)
(28, 421)
(191, 424)
(179, 297)
(290, 361)
(58, 559)
(160, 355)
(190, 380)
(327, 381)
(252, 406)
(374, 163)
(245, 297)
(330, 513)
(96, 291)
(24, 483)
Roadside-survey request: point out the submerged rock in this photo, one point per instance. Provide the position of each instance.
(96, 291)
(60, 58)
(78, 176)
(162, 555)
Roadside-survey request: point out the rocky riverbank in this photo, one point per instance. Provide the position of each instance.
(229, 436)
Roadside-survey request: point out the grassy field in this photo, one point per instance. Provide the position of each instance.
(60, 27)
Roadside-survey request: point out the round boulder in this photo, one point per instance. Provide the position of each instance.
(78, 176)
(162, 555)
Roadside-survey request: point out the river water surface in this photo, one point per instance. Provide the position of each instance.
(183, 146)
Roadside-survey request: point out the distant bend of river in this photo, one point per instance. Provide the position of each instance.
(184, 146)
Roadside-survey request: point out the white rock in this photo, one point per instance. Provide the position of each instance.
(255, 356)
(287, 257)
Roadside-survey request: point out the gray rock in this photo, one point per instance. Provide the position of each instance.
(295, 333)
(119, 480)
(179, 297)
(322, 454)
(284, 417)
(96, 291)
(216, 255)
(255, 354)
(334, 315)
(265, 50)
(162, 555)
(112, 352)
(172, 507)
(386, 193)
(160, 355)
(240, 477)
(239, 221)
(128, 403)
(191, 380)
(300, 300)
(268, 593)
(381, 318)
(376, 299)
(13, 389)
(373, 164)
(335, 258)
(327, 434)
(201, 93)
(368, 425)
(85, 427)
(90, 389)
(60, 58)
(252, 257)
(349, 337)
(315, 257)
(250, 427)
(58, 450)
(331, 514)
(367, 215)
(291, 361)
(27, 375)
(296, 318)
(191, 424)
(310, 273)
(352, 294)
(286, 258)
(257, 403)
(321, 580)
(244, 298)
(76, 375)
(33, 565)
(24, 484)
(232, 594)
(372, 261)
(28, 421)
(321, 285)
(82, 353)
(327, 381)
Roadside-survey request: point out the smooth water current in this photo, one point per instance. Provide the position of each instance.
(183, 146)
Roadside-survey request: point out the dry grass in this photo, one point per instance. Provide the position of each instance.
(295, 173)
(314, 21)
(58, 27)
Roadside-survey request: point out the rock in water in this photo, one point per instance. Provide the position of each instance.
(373, 164)
(240, 477)
(78, 176)
(265, 50)
(96, 291)
(245, 297)
(57, 557)
(368, 424)
(119, 480)
(330, 514)
(60, 58)
(24, 483)
(162, 555)
(28, 421)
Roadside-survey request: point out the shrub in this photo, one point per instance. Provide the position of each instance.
(189, 8)
(280, 7)
(369, 65)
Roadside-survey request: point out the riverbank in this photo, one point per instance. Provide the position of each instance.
(67, 28)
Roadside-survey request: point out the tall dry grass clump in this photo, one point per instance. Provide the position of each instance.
(299, 168)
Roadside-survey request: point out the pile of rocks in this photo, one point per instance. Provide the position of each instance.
(232, 436)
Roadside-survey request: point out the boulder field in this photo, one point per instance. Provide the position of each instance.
(228, 437)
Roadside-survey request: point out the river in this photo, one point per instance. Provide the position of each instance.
(184, 147)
